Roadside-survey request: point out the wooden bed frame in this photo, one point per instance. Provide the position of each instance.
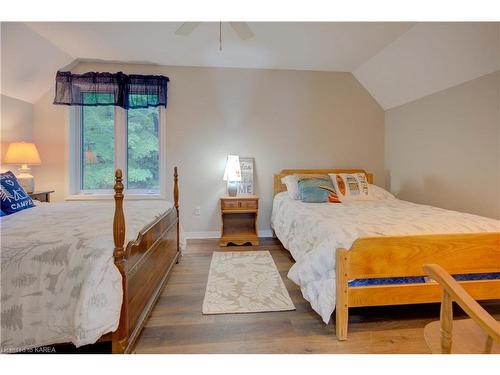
(144, 263)
(404, 256)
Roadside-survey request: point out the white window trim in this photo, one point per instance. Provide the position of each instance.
(74, 157)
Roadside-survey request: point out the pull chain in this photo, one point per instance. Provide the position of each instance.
(220, 36)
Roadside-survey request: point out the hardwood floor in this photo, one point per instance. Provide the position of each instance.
(177, 325)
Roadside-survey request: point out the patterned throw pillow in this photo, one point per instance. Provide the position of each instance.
(332, 194)
(314, 188)
(351, 187)
(14, 197)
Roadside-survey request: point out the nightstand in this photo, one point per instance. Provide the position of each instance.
(41, 196)
(239, 220)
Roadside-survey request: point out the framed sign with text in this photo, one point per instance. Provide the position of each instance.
(245, 186)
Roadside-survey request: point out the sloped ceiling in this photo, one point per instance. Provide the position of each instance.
(29, 62)
(430, 57)
(275, 45)
(396, 62)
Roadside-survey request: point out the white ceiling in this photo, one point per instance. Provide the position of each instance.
(29, 62)
(43, 48)
(303, 46)
(430, 57)
(396, 62)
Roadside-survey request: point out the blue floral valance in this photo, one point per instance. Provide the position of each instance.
(124, 90)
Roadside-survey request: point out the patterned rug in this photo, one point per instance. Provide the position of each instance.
(245, 282)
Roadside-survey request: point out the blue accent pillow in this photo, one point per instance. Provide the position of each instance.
(1, 213)
(310, 190)
(14, 197)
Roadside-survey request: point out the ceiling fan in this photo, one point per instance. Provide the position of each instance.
(241, 28)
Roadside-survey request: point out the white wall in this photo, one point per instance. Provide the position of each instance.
(51, 138)
(16, 125)
(444, 149)
(284, 119)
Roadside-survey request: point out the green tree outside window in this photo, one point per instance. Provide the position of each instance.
(98, 146)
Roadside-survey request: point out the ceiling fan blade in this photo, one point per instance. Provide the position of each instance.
(242, 29)
(187, 28)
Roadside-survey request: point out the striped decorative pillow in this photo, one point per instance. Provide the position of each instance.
(351, 187)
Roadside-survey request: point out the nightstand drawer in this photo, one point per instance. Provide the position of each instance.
(248, 204)
(236, 204)
(230, 204)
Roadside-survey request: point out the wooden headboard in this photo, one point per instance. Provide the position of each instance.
(279, 187)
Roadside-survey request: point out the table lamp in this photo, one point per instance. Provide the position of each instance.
(232, 174)
(23, 153)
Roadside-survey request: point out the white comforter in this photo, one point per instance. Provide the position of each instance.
(312, 232)
(58, 281)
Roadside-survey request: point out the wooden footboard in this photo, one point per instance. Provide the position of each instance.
(404, 256)
(144, 264)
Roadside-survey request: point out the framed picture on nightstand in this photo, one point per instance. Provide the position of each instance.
(245, 186)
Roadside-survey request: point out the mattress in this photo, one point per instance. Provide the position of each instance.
(312, 232)
(59, 282)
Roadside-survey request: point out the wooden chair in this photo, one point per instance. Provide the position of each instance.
(481, 334)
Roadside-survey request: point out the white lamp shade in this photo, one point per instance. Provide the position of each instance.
(22, 153)
(233, 170)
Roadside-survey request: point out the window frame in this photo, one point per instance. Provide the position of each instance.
(75, 192)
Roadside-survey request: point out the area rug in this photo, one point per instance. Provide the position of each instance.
(245, 282)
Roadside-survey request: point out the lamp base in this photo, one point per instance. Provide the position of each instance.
(26, 180)
(232, 189)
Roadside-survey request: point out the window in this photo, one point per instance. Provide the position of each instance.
(98, 146)
(143, 148)
(109, 137)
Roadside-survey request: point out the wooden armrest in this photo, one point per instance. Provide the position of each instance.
(466, 302)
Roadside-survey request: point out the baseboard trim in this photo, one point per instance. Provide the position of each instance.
(202, 235)
(216, 234)
(265, 233)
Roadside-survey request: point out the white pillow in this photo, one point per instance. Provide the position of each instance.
(379, 193)
(292, 185)
(351, 187)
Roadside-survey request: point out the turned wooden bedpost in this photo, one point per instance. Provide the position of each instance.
(342, 304)
(176, 205)
(119, 220)
(120, 336)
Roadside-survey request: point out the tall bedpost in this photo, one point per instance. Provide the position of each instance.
(119, 220)
(119, 342)
(176, 205)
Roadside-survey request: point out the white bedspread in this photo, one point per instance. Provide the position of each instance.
(58, 281)
(312, 232)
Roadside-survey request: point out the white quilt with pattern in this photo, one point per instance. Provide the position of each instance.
(312, 232)
(58, 279)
